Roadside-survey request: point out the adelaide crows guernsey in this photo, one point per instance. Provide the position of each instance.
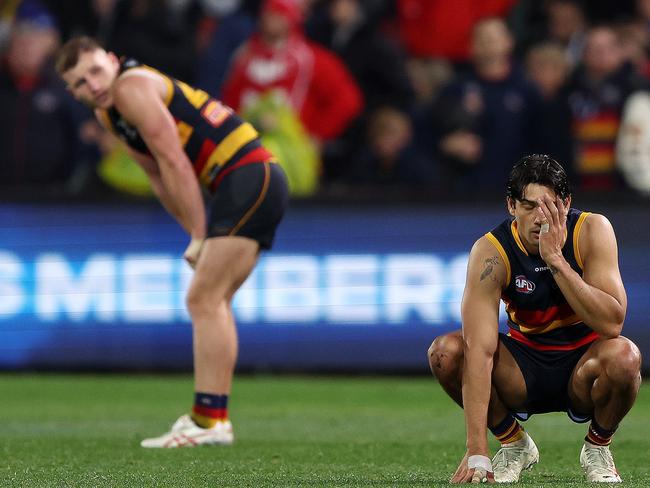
(538, 314)
(214, 138)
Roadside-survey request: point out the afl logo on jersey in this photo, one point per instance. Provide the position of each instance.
(524, 285)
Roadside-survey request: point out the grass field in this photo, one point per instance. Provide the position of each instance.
(290, 431)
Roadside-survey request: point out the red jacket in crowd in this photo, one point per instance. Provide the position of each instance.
(442, 28)
(314, 81)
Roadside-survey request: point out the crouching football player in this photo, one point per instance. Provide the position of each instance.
(556, 269)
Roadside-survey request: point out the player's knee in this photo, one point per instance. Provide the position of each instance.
(194, 303)
(624, 361)
(445, 356)
(199, 303)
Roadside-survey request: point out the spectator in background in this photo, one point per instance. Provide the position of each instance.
(562, 22)
(597, 93)
(85, 17)
(643, 12)
(548, 68)
(7, 12)
(389, 155)
(309, 78)
(376, 63)
(428, 77)
(283, 134)
(633, 143)
(40, 125)
(232, 22)
(487, 117)
(634, 38)
(442, 28)
(350, 29)
(158, 33)
(567, 25)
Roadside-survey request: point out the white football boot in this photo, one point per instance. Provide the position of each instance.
(598, 463)
(513, 458)
(185, 433)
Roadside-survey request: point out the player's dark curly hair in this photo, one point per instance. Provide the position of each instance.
(541, 169)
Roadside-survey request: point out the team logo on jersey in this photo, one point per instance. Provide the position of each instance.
(215, 113)
(524, 285)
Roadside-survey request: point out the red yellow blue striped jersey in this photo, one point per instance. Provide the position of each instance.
(212, 135)
(538, 314)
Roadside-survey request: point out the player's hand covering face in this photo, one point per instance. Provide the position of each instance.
(552, 213)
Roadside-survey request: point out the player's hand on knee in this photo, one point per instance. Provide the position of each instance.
(191, 254)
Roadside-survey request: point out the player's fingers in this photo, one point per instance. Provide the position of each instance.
(540, 213)
(552, 209)
(482, 476)
(459, 475)
(191, 262)
(456, 477)
(543, 212)
(469, 475)
(193, 251)
(562, 210)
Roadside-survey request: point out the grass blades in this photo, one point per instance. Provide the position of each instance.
(84, 430)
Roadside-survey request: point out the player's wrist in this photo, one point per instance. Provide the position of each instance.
(480, 461)
(557, 263)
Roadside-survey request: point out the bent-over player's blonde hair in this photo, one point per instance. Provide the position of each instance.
(68, 56)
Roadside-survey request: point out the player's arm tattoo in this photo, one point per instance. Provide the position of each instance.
(489, 265)
(553, 270)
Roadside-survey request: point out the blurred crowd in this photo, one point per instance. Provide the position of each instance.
(438, 97)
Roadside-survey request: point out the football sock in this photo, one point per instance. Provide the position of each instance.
(209, 409)
(598, 435)
(508, 430)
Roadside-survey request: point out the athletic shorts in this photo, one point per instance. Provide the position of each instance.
(249, 202)
(547, 375)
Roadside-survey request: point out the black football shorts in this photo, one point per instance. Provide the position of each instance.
(547, 375)
(250, 201)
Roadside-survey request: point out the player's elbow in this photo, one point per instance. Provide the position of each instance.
(613, 327)
(610, 333)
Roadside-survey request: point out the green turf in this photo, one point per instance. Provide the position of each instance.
(291, 431)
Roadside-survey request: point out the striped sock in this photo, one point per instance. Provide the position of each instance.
(508, 430)
(209, 409)
(599, 436)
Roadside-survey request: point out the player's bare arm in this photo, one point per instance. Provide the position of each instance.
(139, 101)
(150, 168)
(486, 276)
(152, 171)
(598, 296)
